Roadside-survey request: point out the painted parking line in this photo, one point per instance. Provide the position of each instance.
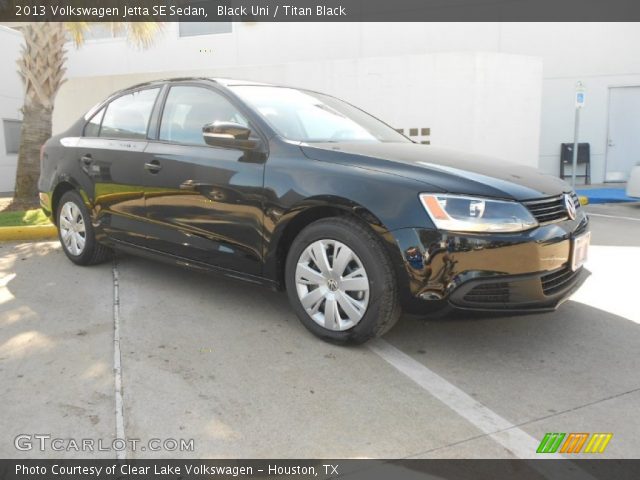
(519, 443)
(616, 217)
(117, 363)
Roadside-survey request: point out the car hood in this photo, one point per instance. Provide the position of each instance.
(442, 170)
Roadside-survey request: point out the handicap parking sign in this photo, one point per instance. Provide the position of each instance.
(580, 98)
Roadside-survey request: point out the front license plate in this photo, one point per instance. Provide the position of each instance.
(579, 249)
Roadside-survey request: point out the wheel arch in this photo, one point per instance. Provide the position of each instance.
(312, 210)
(65, 185)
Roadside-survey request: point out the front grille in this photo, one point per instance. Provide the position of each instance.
(489, 293)
(550, 209)
(558, 280)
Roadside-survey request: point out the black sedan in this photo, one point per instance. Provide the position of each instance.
(301, 191)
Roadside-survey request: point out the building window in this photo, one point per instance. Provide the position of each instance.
(98, 31)
(192, 29)
(418, 135)
(12, 135)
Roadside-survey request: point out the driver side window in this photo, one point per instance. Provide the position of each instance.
(188, 109)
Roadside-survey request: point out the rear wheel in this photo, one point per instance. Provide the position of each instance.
(76, 232)
(340, 281)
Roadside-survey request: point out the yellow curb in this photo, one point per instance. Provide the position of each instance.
(583, 200)
(31, 232)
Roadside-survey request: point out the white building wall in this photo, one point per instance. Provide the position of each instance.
(488, 103)
(599, 54)
(11, 94)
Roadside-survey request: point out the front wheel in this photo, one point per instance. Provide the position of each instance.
(76, 232)
(340, 281)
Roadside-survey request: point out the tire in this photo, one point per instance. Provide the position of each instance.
(366, 314)
(76, 232)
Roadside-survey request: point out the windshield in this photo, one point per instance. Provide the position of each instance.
(312, 117)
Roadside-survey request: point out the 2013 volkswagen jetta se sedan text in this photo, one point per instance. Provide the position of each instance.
(304, 192)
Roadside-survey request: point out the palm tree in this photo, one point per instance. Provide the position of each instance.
(42, 68)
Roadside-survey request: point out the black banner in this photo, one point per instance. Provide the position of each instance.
(317, 10)
(320, 469)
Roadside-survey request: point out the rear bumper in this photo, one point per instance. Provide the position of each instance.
(45, 204)
(515, 272)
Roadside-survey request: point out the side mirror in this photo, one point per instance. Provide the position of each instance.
(229, 135)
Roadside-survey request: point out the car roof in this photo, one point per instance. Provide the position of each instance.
(225, 82)
(230, 82)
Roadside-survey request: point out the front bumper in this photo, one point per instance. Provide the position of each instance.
(519, 293)
(513, 272)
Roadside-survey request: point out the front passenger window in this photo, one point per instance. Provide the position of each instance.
(188, 109)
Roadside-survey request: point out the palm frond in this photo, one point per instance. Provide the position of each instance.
(143, 34)
(139, 34)
(77, 30)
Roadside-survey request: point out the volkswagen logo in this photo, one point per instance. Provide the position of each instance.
(571, 207)
(332, 284)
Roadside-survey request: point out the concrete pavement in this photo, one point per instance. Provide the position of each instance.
(55, 348)
(227, 364)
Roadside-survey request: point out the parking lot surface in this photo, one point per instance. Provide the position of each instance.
(227, 365)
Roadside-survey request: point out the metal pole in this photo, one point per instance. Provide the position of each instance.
(575, 148)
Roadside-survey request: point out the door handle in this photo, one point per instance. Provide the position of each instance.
(610, 143)
(153, 166)
(86, 159)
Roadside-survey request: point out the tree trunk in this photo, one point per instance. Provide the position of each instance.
(42, 70)
(36, 129)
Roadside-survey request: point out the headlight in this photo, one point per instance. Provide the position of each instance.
(472, 214)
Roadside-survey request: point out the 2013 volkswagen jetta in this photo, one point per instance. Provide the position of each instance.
(302, 191)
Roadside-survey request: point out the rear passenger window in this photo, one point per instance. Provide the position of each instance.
(92, 129)
(128, 116)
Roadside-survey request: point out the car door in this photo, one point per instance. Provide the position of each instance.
(204, 203)
(112, 154)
